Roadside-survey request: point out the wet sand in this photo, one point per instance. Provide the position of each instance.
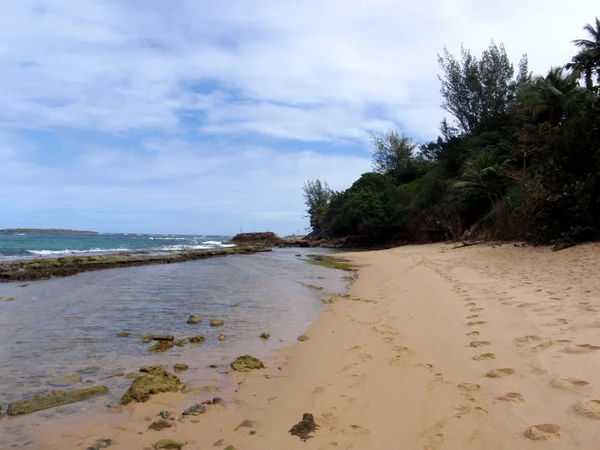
(438, 348)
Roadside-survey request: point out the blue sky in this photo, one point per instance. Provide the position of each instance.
(194, 116)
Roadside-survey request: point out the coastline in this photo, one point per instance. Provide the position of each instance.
(490, 347)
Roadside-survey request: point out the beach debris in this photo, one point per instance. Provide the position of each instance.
(195, 410)
(303, 428)
(166, 415)
(161, 346)
(155, 381)
(101, 443)
(246, 423)
(123, 334)
(194, 319)
(218, 401)
(223, 337)
(180, 342)
(66, 381)
(217, 323)
(247, 363)
(160, 337)
(265, 335)
(196, 339)
(160, 425)
(179, 367)
(168, 444)
(56, 398)
(303, 338)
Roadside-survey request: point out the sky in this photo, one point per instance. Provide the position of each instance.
(197, 116)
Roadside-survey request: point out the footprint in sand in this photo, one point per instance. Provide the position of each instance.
(542, 432)
(528, 338)
(484, 356)
(500, 373)
(588, 408)
(526, 305)
(365, 357)
(478, 322)
(479, 343)
(471, 304)
(580, 349)
(469, 387)
(474, 316)
(570, 384)
(562, 321)
(513, 397)
(476, 309)
(356, 430)
(473, 333)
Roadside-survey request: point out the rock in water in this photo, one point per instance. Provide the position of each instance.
(180, 367)
(122, 334)
(304, 427)
(247, 363)
(160, 337)
(303, 338)
(223, 337)
(102, 443)
(217, 323)
(168, 444)
(160, 425)
(194, 319)
(195, 410)
(161, 346)
(265, 335)
(57, 398)
(155, 381)
(196, 339)
(180, 342)
(165, 415)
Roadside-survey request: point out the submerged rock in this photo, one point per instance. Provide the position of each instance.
(196, 339)
(160, 337)
(155, 381)
(180, 367)
(160, 425)
(161, 346)
(217, 323)
(247, 363)
(2, 415)
(132, 375)
(146, 340)
(265, 335)
(114, 375)
(303, 338)
(195, 410)
(56, 398)
(123, 334)
(304, 427)
(218, 401)
(223, 337)
(101, 443)
(180, 342)
(66, 381)
(168, 444)
(194, 319)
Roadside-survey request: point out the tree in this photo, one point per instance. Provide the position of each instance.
(393, 155)
(480, 92)
(587, 61)
(317, 195)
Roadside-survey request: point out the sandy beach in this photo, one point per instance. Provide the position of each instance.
(483, 347)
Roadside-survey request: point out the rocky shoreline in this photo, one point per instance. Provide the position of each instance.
(45, 268)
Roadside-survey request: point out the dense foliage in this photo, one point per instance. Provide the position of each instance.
(521, 159)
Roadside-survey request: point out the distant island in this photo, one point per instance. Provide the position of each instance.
(46, 231)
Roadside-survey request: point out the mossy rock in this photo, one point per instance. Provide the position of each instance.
(56, 398)
(217, 323)
(180, 342)
(197, 339)
(155, 381)
(247, 363)
(180, 367)
(168, 444)
(123, 334)
(194, 319)
(161, 346)
(223, 337)
(303, 338)
(265, 335)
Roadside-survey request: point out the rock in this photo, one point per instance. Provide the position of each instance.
(161, 346)
(217, 323)
(194, 319)
(229, 447)
(304, 427)
(123, 334)
(197, 339)
(66, 381)
(180, 367)
(252, 432)
(166, 415)
(146, 340)
(102, 443)
(218, 401)
(247, 363)
(168, 444)
(56, 398)
(160, 425)
(215, 366)
(155, 381)
(132, 375)
(218, 443)
(265, 335)
(206, 402)
(298, 255)
(180, 342)
(2, 415)
(195, 410)
(89, 369)
(246, 423)
(303, 338)
(114, 375)
(267, 239)
(160, 337)
(223, 337)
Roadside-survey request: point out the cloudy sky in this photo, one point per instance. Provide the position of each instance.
(196, 116)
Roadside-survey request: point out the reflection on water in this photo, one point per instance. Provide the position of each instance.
(58, 328)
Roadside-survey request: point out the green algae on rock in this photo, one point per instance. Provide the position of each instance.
(161, 346)
(101, 443)
(56, 398)
(168, 444)
(303, 338)
(265, 335)
(247, 363)
(179, 367)
(194, 319)
(160, 425)
(155, 380)
(303, 428)
(123, 334)
(197, 339)
(217, 323)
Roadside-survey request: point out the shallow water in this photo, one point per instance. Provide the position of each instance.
(57, 328)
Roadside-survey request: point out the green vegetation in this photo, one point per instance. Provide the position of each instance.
(332, 262)
(521, 159)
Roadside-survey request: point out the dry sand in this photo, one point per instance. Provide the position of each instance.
(438, 348)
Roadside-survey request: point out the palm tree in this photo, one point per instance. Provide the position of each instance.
(550, 97)
(588, 59)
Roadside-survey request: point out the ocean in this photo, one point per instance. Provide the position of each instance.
(53, 332)
(35, 245)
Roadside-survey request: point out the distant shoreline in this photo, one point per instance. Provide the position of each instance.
(46, 231)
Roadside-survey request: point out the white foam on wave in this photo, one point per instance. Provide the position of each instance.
(75, 252)
(166, 238)
(218, 244)
(167, 248)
